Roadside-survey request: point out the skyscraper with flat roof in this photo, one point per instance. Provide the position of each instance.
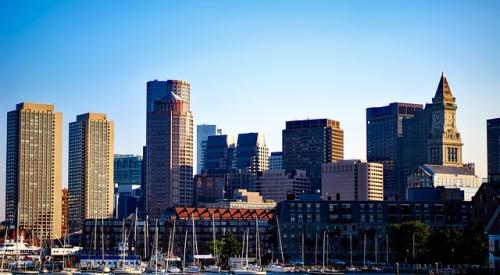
(90, 169)
(169, 147)
(252, 153)
(220, 154)
(308, 144)
(33, 169)
(202, 133)
(384, 130)
(493, 136)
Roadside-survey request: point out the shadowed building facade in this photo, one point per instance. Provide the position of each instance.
(90, 169)
(169, 147)
(33, 172)
(384, 130)
(431, 136)
(308, 144)
(493, 133)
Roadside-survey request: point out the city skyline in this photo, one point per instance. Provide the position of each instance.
(323, 62)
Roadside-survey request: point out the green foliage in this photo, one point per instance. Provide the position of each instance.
(446, 245)
(226, 248)
(401, 240)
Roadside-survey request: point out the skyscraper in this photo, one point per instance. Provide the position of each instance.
(252, 153)
(169, 147)
(307, 144)
(220, 154)
(431, 136)
(90, 169)
(202, 133)
(33, 170)
(493, 128)
(384, 130)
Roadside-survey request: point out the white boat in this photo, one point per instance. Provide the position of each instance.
(352, 269)
(104, 269)
(248, 271)
(127, 270)
(5, 273)
(173, 269)
(11, 248)
(193, 269)
(275, 268)
(212, 269)
(20, 272)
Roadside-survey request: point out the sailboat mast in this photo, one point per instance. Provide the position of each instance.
(135, 232)
(324, 248)
(184, 255)
(156, 247)
(376, 249)
(316, 251)
(213, 239)
(279, 237)
(364, 250)
(303, 249)
(350, 248)
(102, 238)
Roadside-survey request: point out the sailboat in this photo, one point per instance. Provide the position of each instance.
(194, 268)
(323, 269)
(252, 269)
(213, 268)
(351, 268)
(123, 247)
(103, 268)
(154, 269)
(171, 252)
(275, 267)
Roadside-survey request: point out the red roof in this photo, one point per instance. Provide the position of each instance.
(221, 213)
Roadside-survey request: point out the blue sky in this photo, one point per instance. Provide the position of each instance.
(252, 64)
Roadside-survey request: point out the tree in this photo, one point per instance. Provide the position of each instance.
(444, 244)
(402, 236)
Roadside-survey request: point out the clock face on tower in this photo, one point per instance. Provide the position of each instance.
(437, 117)
(449, 119)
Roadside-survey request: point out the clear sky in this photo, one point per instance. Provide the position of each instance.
(252, 64)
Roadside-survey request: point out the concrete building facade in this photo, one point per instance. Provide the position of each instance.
(352, 180)
(277, 184)
(33, 169)
(90, 169)
(308, 144)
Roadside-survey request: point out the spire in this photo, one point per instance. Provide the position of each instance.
(443, 92)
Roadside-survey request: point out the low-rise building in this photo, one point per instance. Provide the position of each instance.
(305, 223)
(244, 199)
(462, 178)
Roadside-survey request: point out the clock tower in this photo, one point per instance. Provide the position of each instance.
(444, 146)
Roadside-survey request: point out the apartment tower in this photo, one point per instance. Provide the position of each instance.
(33, 171)
(90, 169)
